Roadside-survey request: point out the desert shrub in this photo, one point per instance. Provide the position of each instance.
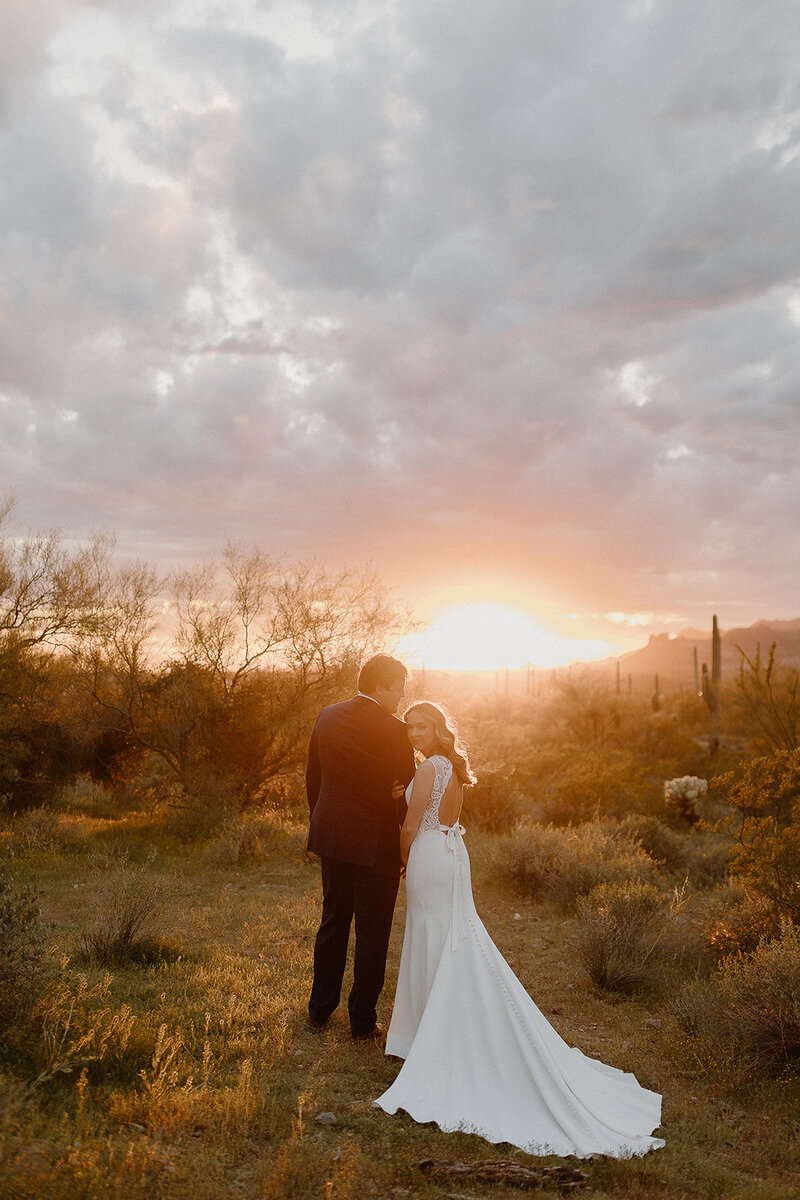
(697, 1015)
(286, 794)
(708, 855)
(691, 715)
(620, 926)
(736, 923)
(594, 781)
(768, 698)
(528, 857)
(665, 846)
(582, 711)
(126, 907)
(195, 816)
(37, 828)
(494, 803)
(246, 841)
(22, 935)
(117, 844)
(682, 947)
(249, 840)
(114, 758)
(38, 756)
(747, 1018)
(764, 796)
(669, 746)
(563, 864)
(136, 793)
(85, 795)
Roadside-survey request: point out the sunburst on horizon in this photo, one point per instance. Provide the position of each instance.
(488, 637)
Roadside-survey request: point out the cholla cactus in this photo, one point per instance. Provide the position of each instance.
(681, 794)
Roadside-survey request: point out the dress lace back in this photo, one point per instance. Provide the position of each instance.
(443, 770)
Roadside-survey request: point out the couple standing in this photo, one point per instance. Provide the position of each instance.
(479, 1055)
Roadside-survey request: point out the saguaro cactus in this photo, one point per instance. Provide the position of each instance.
(716, 654)
(712, 691)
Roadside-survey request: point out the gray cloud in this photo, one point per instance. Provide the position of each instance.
(484, 289)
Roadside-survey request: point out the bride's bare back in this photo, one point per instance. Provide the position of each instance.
(451, 801)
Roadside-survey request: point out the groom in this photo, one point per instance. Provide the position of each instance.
(358, 749)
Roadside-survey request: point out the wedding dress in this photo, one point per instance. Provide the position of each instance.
(479, 1055)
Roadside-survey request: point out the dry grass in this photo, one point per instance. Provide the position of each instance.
(215, 1090)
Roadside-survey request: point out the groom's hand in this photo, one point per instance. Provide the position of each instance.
(398, 791)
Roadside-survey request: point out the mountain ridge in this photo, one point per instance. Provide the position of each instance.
(672, 655)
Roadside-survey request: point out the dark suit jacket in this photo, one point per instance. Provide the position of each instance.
(356, 751)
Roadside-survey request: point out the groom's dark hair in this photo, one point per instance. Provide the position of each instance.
(380, 671)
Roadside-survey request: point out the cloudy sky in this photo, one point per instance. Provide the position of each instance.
(502, 295)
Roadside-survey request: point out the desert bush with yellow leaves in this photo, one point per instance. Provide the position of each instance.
(746, 1017)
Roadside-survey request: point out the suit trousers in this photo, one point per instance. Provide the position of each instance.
(369, 894)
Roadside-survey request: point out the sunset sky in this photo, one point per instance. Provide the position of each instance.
(501, 295)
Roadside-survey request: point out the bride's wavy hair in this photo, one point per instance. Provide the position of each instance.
(448, 742)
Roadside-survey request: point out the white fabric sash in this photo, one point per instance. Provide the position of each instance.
(454, 836)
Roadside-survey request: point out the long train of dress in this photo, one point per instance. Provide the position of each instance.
(479, 1055)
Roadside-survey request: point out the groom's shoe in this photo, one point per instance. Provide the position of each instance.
(376, 1034)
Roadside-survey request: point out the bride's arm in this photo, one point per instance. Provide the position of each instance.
(420, 795)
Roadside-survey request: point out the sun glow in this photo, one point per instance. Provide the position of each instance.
(488, 637)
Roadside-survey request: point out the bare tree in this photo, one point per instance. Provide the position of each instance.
(48, 592)
(260, 646)
(116, 655)
(216, 671)
(48, 602)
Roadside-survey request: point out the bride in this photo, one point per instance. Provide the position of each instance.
(479, 1055)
